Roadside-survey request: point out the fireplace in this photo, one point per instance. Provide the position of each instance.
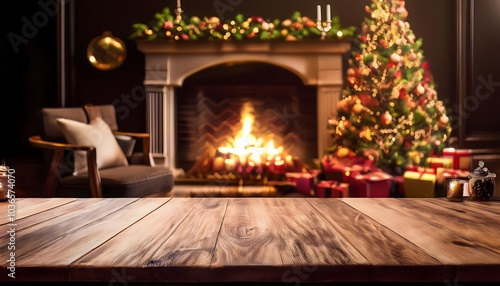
(169, 65)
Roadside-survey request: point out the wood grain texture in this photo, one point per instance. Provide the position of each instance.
(442, 236)
(306, 238)
(247, 239)
(29, 206)
(287, 240)
(134, 248)
(32, 239)
(391, 256)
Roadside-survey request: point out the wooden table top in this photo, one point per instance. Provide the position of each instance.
(251, 239)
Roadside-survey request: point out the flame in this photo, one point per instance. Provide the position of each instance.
(247, 149)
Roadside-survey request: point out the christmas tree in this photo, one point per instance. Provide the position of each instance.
(389, 111)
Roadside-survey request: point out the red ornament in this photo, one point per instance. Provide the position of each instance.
(386, 118)
(168, 25)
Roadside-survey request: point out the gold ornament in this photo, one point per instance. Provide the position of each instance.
(343, 152)
(358, 108)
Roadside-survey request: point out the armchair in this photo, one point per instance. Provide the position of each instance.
(89, 157)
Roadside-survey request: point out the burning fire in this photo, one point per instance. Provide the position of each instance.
(248, 154)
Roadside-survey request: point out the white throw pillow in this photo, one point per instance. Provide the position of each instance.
(98, 134)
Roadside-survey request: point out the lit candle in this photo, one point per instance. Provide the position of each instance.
(319, 13)
(328, 13)
(454, 189)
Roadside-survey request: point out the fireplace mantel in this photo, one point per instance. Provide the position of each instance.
(168, 64)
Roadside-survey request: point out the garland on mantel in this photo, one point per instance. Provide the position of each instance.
(297, 27)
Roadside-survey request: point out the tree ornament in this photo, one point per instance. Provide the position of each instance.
(395, 58)
(420, 89)
(386, 118)
(412, 56)
(358, 108)
(343, 152)
(443, 120)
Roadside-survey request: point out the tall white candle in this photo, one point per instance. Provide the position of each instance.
(319, 12)
(178, 3)
(328, 14)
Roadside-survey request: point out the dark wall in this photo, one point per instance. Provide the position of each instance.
(29, 87)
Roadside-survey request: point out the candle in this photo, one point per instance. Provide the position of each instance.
(328, 13)
(454, 189)
(178, 3)
(319, 13)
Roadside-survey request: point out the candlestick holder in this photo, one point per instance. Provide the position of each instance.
(324, 27)
(178, 13)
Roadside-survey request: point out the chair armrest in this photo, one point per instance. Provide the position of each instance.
(138, 135)
(37, 141)
(57, 162)
(145, 142)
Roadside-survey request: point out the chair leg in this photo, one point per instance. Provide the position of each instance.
(52, 181)
(93, 173)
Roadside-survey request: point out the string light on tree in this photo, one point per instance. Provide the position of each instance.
(389, 100)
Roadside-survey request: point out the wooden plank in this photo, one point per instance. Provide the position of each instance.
(30, 240)
(25, 207)
(131, 252)
(189, 251)
(248, 248)
(87, 238)
(392, 257)
(310, 247)
(442, 236)
(51, 213)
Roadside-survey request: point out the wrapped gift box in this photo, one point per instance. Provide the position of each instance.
(304, 182)
(373, 185)
(420, 169)
(435, 162)
(462, 158)
(419, 184)
(343, 169)
(332, 189)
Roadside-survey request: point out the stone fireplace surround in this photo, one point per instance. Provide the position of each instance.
(168, 64)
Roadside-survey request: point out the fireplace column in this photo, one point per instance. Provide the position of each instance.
(160, 112)
(327, 99)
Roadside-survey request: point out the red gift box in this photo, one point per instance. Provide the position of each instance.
(332, 189)
(372, 185)
(343, 169)
(304, 182)
(462, 158)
